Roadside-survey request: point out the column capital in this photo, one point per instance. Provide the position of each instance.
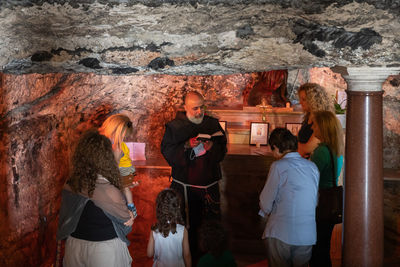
(368, 78)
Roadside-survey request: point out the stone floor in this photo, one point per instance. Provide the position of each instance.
(239, 202)
(245, 258)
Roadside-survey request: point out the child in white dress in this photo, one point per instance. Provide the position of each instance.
(168, 242)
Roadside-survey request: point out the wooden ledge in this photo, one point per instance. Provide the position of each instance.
(155, 163)
(391, 175)
(239, 149)
(233, 149)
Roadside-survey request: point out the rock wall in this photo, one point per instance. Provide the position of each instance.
(43, 115)
(391, 129)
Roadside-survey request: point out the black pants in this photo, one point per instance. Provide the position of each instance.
(321, 256)
(204, 204)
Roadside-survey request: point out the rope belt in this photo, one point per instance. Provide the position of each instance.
(186, 197)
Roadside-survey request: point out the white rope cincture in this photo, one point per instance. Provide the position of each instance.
(186, 197)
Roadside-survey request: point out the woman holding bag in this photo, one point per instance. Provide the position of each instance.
(328, 156)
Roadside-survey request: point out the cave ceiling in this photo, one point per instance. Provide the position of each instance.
(195, 37)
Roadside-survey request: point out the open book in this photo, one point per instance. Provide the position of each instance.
(205, 137)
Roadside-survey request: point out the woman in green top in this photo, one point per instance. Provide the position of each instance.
(328, 156)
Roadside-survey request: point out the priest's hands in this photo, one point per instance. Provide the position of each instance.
(192, 142)
(208, 145)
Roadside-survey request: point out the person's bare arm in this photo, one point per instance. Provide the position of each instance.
(150, 246)
(187, 258)
(117, 155)
(306, 149)
(131, 219)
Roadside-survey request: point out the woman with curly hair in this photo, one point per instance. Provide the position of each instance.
(169, 242)
(94, 218)
(313, 97)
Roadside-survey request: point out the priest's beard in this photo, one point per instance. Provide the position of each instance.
(196, 120)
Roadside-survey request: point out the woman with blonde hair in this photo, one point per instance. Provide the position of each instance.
(116, 128)
(313, 97)
(328, 156)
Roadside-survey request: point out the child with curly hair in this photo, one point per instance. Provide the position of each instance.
(169, 242)
(116, 128)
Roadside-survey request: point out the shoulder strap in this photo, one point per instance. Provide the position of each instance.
(333, 167)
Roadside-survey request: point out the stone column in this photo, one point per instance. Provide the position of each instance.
(363, 184)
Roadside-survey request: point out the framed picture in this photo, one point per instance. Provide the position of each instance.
(259, 133)
(223, 125)
(293, 127)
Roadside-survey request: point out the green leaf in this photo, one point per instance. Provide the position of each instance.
(338, 109)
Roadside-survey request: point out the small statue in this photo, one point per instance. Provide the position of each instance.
(270, 85)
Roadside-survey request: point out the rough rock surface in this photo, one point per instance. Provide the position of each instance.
(195, 37)
(42, 116)
(391, 128)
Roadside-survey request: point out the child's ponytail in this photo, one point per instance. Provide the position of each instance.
(168, 212)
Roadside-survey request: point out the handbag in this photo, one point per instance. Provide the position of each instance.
(330, 201)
